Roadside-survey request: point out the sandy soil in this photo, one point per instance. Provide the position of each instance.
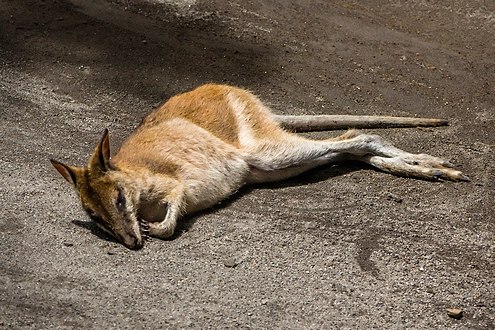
(343, 247)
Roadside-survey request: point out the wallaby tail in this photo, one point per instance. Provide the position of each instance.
(311, 123)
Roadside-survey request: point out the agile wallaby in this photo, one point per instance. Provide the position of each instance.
(203, 145)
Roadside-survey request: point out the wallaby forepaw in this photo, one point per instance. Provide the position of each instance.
(161, 230)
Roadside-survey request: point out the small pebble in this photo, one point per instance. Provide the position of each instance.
(111, 252)
(454, 313)
(394, 198)
(230, 263)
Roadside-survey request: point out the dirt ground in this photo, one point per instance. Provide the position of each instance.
(343, 247)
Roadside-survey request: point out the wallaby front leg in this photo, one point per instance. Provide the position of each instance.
(165, 228)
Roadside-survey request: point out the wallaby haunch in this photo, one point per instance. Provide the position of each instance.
(202, 146)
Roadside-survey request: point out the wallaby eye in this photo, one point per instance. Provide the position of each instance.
(120, 202)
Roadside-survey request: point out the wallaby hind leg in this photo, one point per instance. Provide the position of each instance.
(285, 158)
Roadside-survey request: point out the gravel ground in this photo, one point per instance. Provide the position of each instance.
(344, 247)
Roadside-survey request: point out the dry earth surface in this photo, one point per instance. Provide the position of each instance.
(343, 247)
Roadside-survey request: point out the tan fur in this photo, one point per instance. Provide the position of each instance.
(203, 145)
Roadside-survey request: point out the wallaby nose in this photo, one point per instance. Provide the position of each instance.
(133, 243)
(138, 244)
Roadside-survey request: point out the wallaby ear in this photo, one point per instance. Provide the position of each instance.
(69, 173)
(101, 155)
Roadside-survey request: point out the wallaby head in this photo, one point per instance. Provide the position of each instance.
(105, 196)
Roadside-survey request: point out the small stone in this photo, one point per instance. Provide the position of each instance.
(454, 313)
(111, 252)
(394, 198)
(68, 244)
(230, 263)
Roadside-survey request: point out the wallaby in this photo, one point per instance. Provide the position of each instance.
(202, 146)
